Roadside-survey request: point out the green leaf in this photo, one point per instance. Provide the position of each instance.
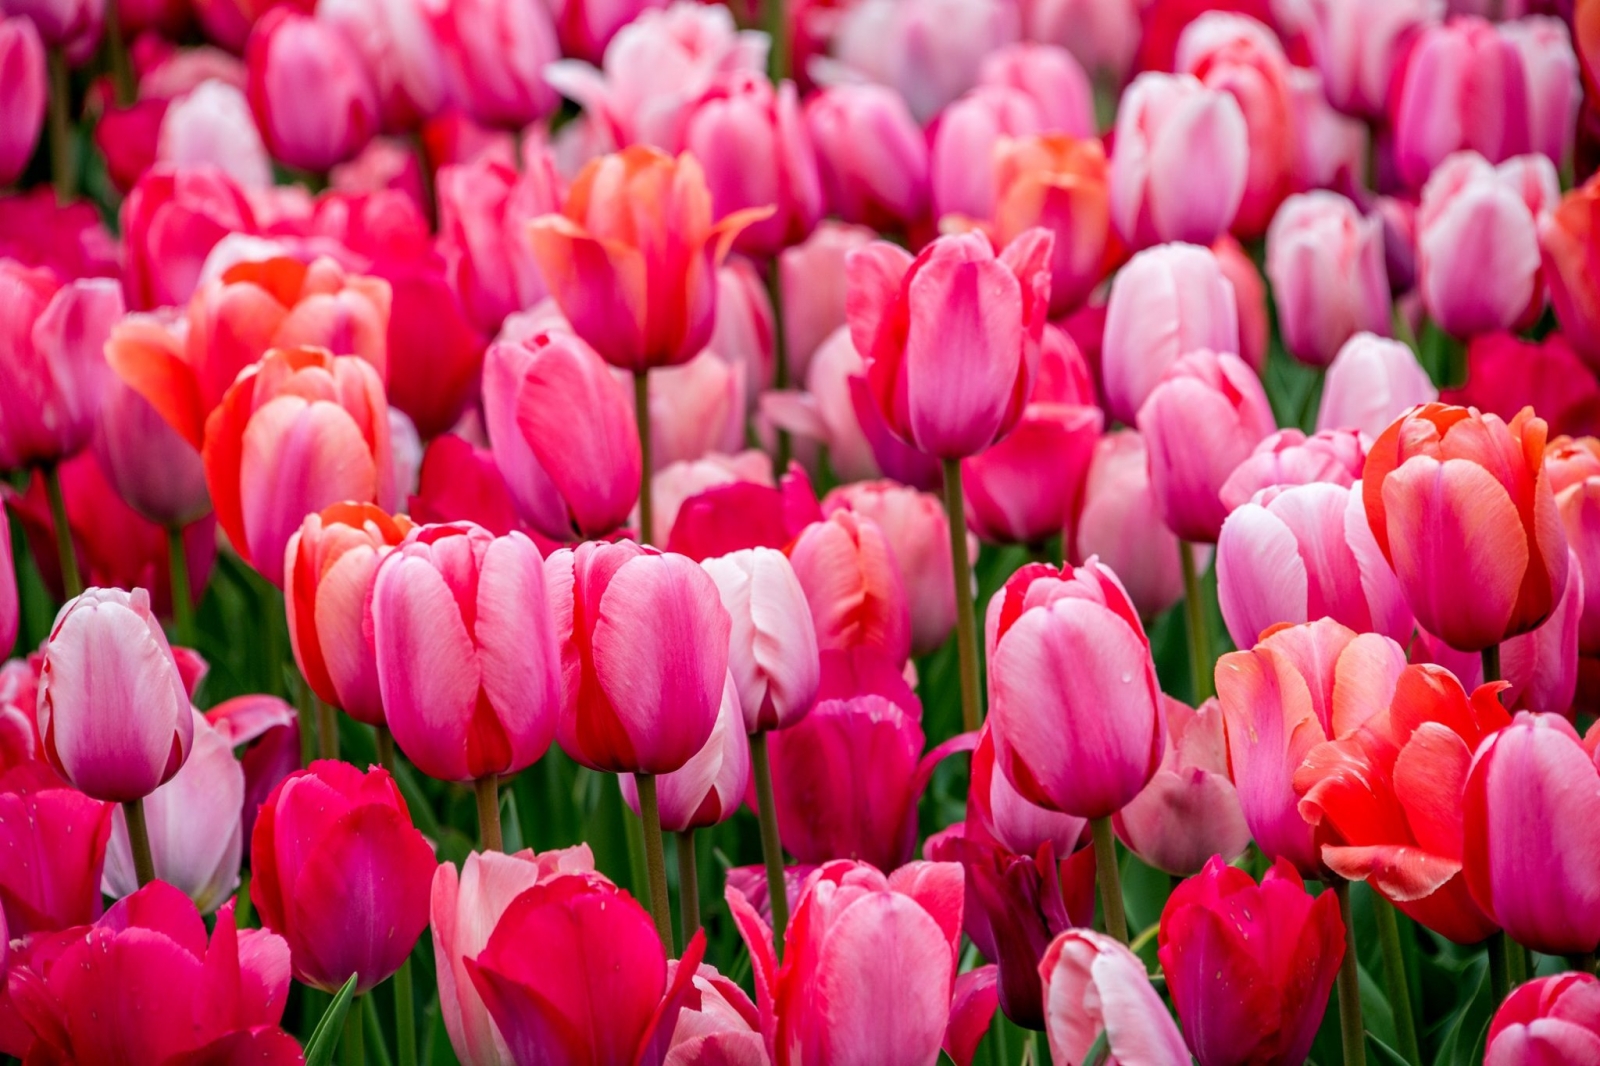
(319, 1049)
(1381, 1054)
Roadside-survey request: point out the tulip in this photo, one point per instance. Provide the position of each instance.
(464, 910)
(71, 239)
(732, 516)
(725, 1024)
(868, 966)
(298, 431)
(1058, 183)
(1370, 383)
(1052, 77)
(1330, 147)
(19, 702)
(643, 644)
(484, 210)
(268, 730)
(1569, 257)
(460, 482)
(773, 651)
(1167, 125)
(1288, 457)
(494, 54)
(677, 483)
(1478, 486)
(1299, 686)
(1095, 989)
(212, 124)
(1358, 45)
(950, 399)
(52, 374)
(812, 284)
(22, 94)
(289, 51)
(605, 999)
(1471, 210)
(183, 998)
(566, 476)
(637, 230)
(826, 412)
(338, 870)
(1202, 419)
(170, 222)
(1165, 303)
(1385, 800)
(55, 845)
(399, 51)
(1527, 815)
(1553, 89)
(1104, 36)
(974, 128)
(585, 27)
(1249, 297)
(1547, 1021)
(153, 467)
(708, 789)
(871, 156)
(1579, 506)
(853, 585)
(1250, 966)
(1326, 264)
(466, 661)
(1506, 374)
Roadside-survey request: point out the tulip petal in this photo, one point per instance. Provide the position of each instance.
(1261, 578)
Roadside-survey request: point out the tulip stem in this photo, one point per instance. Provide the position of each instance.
(383, 740)
(780, 355)
(71, 582)
(405, 1015)
(144, 865)
(354, 1046)
(1491, 663)
(1109, 875)
(1394, 966)
(771, 846)
(778, 31)
(655, 858)
(1350, 1028)
(1200, 664)
(688, 887)
(178, 578)
(122, 83)
(955, 506)
(327, 729)
(489, 838)
(62, 169)
(641, 415)
(1499, 973)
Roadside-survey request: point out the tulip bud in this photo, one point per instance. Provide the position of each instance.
(1060, 184)
(974, 128)
(853, 585)
(495, 52)
(1326, 264)
(170, 222)
(871, 155)
(1554, 92)
(289, 51)
(772, 656)
(929, 51)
(1330, 147)
(399, 50)
(22, 94)
(1549, 1019)
(1052, 77)
(1370, 383)
(812, 277)
(1094, 989)
(709, 788)
(1357, 45)
(154, 468)
(484, 210)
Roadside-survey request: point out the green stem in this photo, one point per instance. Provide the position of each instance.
(1109, 875)
(63, 169)
(1200, 665)
(354, 1045)
(780, 351)
(771, 846)
(778, 29)
(1518, 964)
(144, 864)
(955, 506)
(488, 789)
(1394, 966)
(178, 578)
(1354, 1038)
(641, 415)
(327, 729)
(122, 82)
(383, 740)
(405, 1009)
(655, 858)
(71, 582)
(430, 197)
(1499, 973)
(688, 887)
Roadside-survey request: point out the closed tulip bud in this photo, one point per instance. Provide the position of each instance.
(1479, 488)
(212, 124)
(1358, 44)
(970, 129)
(399, 50)
(1326, 264)
(1094, 989)
(22, 94)
(871, 155)
(951, 398)
(1549, 1020)
(113, 713)
(1052, 77)
(567, 476)
(697, 408)
(1370, 383)
(1165, 303)
(300, 430)
(1299, 686)
(772, 656)
(1087, 748)
(289, 51)
(464, 909)
(338, 870)
(484, 210)
(170, 222)
(1570, 251)
(930, 52)
(1250, 966)
(643, 644)
(1506, 374)
(1163, 119)
(1205, 417)
(52, 372)
(1330, 147)
(1553, 88)
(1059, 183)
(495, 52)
(55, 845)
(853, 585)
(709, 788)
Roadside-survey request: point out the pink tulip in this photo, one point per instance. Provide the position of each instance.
(55, 840)
(1326, 264)
(745, 331)
(1180, 164)
(772, 654)
(972, 129)
(1553, 88)
(1506, 374)
(1547, 1021)
(1301, 685)
(52, 372)
(289, 51)
(459, 482)
(268, 731)
(868, 965)
(113, 714)
(725, 1027)
(585, 27)
(465, 908)
(1189, 811)
(1566, 239)
(1052, 77)
(71, 240)
(643, 644)
(73, 25)
(565, 475)
(1330, 147)
(9, 603)
(1102, 34)
(400, 53)
(1087, 748)
(1288, 457)
(1530, 808)
(1165, 303)
(338, 870)
(212, 125)
(1579, 506)
(825, 411)
(871, 156)
(734, 516)
(484, 209)
(170, 222)
(1473, 213)
(709, 788)
(1370, 383)
(1095, 987)
(1359, 44)
(697, 408)
(1203, 418)
(812, 279)
(153, 468)
(681, 481)
(494, 54)
(853, 585)
(466, 661)
(22, 94)
(1249, 298)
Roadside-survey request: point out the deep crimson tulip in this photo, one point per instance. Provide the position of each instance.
(484, 209)
(1506, 374)
(55, 845)
(951, 338)
(298, 431)
(1478, 487)
(1095, 988)
(330, 562)
(185, 997)
(171, 220)
(1250, 966)
(339, 871)
(1370, 383)
(22, 88)
(1550, 1021)
(1325, 259)
(289, 51)
(643, 644)
(708, 789)
(853, 585)
(871, 155)
(772, 657)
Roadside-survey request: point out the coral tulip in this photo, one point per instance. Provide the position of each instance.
(772, 655)
(1566, 238)
(55, 845)
(1059, 183)
(1325, 260)
(1370, 383)
(1547, 1021)
(853, 585)
(1096, 988)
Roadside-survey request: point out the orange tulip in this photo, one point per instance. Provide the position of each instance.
(1060, 183)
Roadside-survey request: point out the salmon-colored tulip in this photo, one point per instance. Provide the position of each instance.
(1571, 256)
(853, 585)
(1059, 183)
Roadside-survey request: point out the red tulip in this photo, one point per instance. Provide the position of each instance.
(338, 870)
(289, 51)
(853, 585)
(1095, 988)
(1551, 1021)
(708, 789)
(1250, 967)
(55, 845)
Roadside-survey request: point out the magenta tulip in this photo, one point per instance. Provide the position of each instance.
(495, 52)
(289, 51)
(55, 845)
(1550, 1021)
(1096, 988)
(22, 94)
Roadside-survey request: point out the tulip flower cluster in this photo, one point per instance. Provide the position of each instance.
(586, 531)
